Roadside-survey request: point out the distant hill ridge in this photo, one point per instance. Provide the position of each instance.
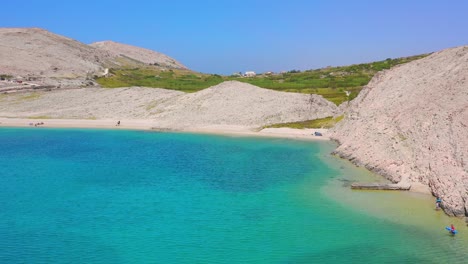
(38, 55)
(140, 54)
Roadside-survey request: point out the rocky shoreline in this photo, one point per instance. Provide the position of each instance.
(409, 124)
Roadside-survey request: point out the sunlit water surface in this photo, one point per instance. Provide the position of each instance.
(103, 196)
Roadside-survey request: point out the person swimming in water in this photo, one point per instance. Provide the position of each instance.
(452, 229)
(438, 201)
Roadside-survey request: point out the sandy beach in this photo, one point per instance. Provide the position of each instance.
(144, 124)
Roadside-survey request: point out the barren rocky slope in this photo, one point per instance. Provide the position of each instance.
(38, 54)
(230, 103)
(237, 103)
(139, 54)
(410, 124)
(45, 58)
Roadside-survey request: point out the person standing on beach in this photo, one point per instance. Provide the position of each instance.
(118, 123)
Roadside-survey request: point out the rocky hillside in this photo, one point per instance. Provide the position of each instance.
(139, 54)
(410, 124)
(230, 103)
(237, 103)
(36, 54)
(45, 58)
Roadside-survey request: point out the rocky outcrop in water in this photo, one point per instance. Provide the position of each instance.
(410, 124)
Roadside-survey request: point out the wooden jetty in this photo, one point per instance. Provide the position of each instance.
(381, 186)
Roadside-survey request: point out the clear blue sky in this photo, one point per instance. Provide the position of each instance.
(231, 36)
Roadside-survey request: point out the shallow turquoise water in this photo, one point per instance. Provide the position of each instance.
(98, 196)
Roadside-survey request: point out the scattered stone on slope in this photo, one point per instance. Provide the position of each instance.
(237, 103)
(139, 54)
(48, 59)
(410, 124)
(40, 58)
(229, 103)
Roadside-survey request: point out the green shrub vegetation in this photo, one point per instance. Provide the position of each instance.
(30, 97)
(39, 117)
(182, 80)
(333, 83)
(327, 122)
(5, 77)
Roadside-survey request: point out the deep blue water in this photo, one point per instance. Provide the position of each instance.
(101, 196)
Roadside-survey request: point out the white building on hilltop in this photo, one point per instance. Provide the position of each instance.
(250, 74)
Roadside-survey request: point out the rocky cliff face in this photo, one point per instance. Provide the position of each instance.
(410, 124)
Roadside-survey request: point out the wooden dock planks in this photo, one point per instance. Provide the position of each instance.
(380, 186)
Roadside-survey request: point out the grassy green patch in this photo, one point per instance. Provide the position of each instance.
(5, 76)
(29, 97)
(336, 84)
(402, 137)
(151, 105)
(39, 117)
(181, 80)
(331, 82)
(327, 122)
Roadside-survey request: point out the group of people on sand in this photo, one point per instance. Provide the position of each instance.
(36, 124)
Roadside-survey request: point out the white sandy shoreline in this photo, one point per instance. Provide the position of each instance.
(144, 124)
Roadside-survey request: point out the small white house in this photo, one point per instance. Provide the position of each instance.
(250, 74)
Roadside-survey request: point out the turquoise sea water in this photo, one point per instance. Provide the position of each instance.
(99, 196)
